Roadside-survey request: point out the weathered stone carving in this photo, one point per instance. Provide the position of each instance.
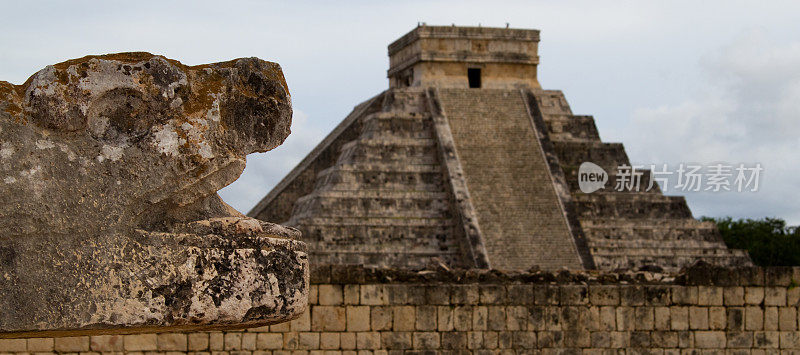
(110, 220)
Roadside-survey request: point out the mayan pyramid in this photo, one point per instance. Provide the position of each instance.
(466, 162)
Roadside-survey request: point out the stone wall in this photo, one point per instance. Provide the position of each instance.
(361, 311)
(440, 56)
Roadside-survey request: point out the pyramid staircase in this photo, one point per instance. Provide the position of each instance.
(422, 176)
(385, 200)
(626, 229)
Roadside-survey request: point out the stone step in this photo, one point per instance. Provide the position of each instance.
(552, 102)
(396, 116)
(400, 142)
(650, 243)
(410, 99)
(373, 222)
(372, 197)
(681, 235)
(381, 167)
(572, 128)
(670, 263)
(653, 223)
(630, 205)
(378, 194)
(348, 186)
(380, 237)
(607, 155)
(382, 176)
(649, 223)
(609, 197)
(336, 206)
(395, 235)
(415, 261)
(680, 230)
(411, 151)
(383, 125)
(430, 245)
(388, 251)
(663, 251)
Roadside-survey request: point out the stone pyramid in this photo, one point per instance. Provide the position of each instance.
(466, 162)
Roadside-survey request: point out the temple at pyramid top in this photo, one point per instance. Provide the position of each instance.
(465, 57)
(466, 162)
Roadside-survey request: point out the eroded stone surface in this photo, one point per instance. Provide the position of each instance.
(110, 217)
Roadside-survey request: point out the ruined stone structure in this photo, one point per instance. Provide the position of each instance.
(356, 311)
(466, 162)
(110, 221)
(433, 173)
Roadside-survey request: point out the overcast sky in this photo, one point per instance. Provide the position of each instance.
(676, 82)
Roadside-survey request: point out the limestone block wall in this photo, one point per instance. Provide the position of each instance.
(361, 311)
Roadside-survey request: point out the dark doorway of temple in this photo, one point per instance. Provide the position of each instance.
(474, 77)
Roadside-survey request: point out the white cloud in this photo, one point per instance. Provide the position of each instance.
(747, 111)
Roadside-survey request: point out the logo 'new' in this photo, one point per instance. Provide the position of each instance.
(591, 177)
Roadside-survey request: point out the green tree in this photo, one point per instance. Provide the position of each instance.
(769, 241)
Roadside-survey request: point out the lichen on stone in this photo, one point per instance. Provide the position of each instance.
(109, 166)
